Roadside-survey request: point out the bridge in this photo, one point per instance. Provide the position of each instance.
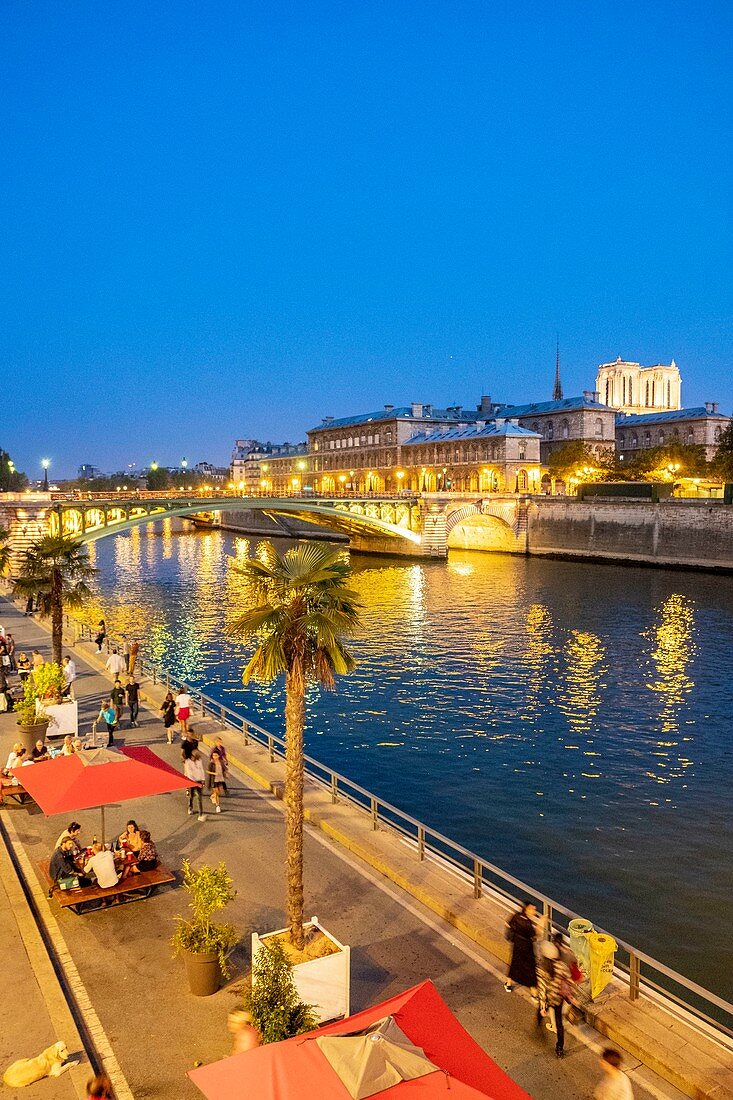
(407, 523)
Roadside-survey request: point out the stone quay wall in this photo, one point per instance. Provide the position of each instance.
(694, 534)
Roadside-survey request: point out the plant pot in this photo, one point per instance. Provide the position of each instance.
(30, 734)
(204, 972)
(324, 983)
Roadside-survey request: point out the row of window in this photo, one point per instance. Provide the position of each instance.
(350, 441)
(564, 429)
(663, 392)
(662, 437)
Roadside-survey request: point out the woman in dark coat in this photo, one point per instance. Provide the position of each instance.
(168, 711)
(521, 931)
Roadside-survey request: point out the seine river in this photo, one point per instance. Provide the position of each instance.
(568, 722)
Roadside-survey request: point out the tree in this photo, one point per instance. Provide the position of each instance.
(723, 462)
(11, 480)
(55, 571)
(301, 611)
(668, 462)
(575, 456)
(157, 479)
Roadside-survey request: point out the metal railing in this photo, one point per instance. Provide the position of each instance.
(641, 974)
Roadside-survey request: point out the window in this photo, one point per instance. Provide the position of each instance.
(565, 429)
(316, 446)
(690, 435)
(535, 426)
(621, 440)
(634, 440)
(599, 428)
(623, 390)
(550, 430)
(647, 439)
(647, 395)
(661, 437)
(631, 392)
(718, 432)
(376, 437)
(522, 454)
(608, 391)
(669, 394)
(331, 444)
(370, 440)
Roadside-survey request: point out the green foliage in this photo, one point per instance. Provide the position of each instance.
(158, 479)
(273, 1002)
(25, 710)
(55, 564)
(302, 609)
(722, 464)
(11, 480)
(573, 457)
(210, 890)
(48, 680)
(667, 463)
(4, 552)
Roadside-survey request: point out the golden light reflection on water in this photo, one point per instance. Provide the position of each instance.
(538, 660)
(579, 698)
(674, 649)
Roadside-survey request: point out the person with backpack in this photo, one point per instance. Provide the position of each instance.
(554, 988)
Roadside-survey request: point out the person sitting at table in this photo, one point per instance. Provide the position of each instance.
(131, 839)
(148, 857)
(67, 749)
(15, 758)
(101, 864)
(72, 832)
(63, 864)
(40, 751)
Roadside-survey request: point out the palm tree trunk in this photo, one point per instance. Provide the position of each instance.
(294, 725)
(57, 615)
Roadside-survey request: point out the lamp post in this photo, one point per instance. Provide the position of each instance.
(45, 463)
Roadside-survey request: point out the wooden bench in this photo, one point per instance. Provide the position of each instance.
(17, 792)
(87, 898)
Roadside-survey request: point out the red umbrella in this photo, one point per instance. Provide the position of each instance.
(89, 780)
(297, 1067)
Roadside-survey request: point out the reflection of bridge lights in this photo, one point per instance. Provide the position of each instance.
(580, 696)
(673, 651)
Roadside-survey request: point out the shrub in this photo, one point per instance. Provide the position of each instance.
(210, 890)
(273, 1002)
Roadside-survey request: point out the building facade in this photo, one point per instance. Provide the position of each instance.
(701, 426)
(631, 388)
(572, 419)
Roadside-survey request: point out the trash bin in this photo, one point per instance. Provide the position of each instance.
(578, 931)
(602, 950)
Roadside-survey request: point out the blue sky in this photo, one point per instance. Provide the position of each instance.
(233, 219)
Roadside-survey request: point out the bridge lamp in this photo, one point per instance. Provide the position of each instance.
(45, 463)
(153, 465)
(184, 463)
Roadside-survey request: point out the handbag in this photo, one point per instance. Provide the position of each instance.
(69, 882)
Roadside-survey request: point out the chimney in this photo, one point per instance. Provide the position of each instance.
(388, 408)
(427, 410)
(486, 404)
(416, 408)
(711, 407)
(327, 420)
(590, 395)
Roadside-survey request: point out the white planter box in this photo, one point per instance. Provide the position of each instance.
(64, 718)
(323, 983)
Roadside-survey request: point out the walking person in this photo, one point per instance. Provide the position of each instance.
(615, 1085)
(126, 652)
(117, 695)
(69, 671)
(553, 989)
(134, 651)
(220, 748)
(521, 933)
(99, 1087)
(216, 778)
(183, 710)
(101, 634)
(108, 715)
(193, 768)
(168, 710)
(132, 691)
(115, 663)
(10, 644)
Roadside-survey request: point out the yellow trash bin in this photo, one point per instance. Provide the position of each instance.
(602, 949)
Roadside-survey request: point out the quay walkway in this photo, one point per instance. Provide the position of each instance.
(404, 919)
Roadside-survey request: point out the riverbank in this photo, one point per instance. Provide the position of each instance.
(431, 884)
(394, 942)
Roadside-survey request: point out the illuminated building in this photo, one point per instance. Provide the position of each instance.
(700, 426)
(631, 388)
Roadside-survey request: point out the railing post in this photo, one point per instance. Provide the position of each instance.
(245, 730)
(547, 915)
(334, 787)
(222, 717)
(634, 976)
(478, 878)
(375, 813)
(271, 748)
(421, 842)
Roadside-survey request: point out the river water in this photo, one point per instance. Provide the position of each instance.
(568, 722)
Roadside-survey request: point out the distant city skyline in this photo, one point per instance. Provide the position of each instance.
(234, 223)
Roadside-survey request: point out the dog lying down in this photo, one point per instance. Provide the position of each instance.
(51, 1062)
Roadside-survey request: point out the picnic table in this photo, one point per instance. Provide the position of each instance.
(17, 792)
(85, 899)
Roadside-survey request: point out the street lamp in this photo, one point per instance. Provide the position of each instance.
(45, 463)
(153, 466)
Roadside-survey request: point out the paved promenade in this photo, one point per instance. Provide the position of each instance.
(156, 1030)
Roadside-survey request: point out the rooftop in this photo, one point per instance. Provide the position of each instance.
(469, 431)
(699, 412)
(565, 404)
(402, 412)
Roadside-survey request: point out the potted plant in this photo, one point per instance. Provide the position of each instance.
(301, 614)
(273, 1001)
(320, 970)
(204, 944)
(32, 718)
(48, 680)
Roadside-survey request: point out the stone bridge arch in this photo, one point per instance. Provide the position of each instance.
(487, 525)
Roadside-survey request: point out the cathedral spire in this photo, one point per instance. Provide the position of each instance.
(557, 390)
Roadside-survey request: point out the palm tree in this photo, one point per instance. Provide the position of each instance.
(301, 610)
(4, 552)
(55, 570)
